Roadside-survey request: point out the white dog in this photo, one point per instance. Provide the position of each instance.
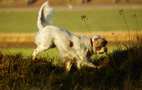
(70, 47)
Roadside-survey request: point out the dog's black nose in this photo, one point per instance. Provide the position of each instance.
(106, 42)
(105, 49)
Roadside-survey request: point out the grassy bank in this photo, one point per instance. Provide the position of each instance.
(121, 69)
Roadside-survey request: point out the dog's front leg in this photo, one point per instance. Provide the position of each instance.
(89, 64)
(68, 64)
(81, 63)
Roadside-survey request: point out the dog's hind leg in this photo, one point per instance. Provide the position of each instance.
(34, 54)
(78, 64)
(38, 50)
(42, 46)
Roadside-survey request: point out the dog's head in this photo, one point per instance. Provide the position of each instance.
(99, 44)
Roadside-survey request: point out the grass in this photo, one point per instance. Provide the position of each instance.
(28, 52)
(51, 53)
(98, 20)
(18, 22)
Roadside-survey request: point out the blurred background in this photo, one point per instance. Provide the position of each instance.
(112, 19)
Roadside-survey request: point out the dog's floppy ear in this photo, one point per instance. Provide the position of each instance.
(100, 42)
(96, 39)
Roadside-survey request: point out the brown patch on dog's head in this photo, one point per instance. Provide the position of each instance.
(70, 43)
(99, 45)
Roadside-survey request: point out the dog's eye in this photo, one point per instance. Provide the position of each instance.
(98, 48)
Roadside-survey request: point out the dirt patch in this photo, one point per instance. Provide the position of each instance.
(17, 45)
(30, 37)
(17, 37)
(27, 44)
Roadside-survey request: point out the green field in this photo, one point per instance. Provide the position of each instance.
(27, 52)
(98, 20)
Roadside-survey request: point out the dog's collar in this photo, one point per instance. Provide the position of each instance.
(91, 41)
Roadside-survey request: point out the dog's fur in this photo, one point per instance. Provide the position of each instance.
(70, 47)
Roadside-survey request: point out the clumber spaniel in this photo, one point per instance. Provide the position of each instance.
(71, 47)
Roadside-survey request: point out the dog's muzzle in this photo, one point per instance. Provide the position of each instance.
(103, 49)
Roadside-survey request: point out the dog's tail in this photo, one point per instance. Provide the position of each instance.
(44, 16)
